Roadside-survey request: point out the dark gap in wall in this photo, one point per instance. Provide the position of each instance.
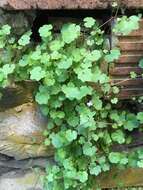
(44, 15)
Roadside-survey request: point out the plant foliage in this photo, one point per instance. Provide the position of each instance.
(83, 125)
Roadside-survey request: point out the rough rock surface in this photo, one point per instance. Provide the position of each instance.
(21, 131)
(66, 4)
(17, 94)
(21, 180)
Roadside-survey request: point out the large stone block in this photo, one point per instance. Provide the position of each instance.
(17, 94)
(21, 132)
(20, 180)
(67, 4)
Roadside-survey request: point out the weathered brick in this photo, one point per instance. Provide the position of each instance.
(130, 92)
(124, 71)
(130, 57)
(131, 47)
(127, 82)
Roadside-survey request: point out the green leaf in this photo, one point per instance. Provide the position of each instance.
(73, 120)
(76, 54)
(140, 153)
(115, 116)
(23, 62)
(36, 55)
(89, 22)
(102, 124)
(73, 92)
(56, 45)
(37, 73)
(25, 39)
(47, 142)
(141, 63)
(118, 136)
(95, 137)
(2, 76)
(8, 69)
(129, 125)
(114, 100)
(105, 167)
(70, 91)
(49, 79)
(89, 150)
(114, 157)
(6, 29)
(86, 117)
(97, 103)
(115, 90)
(70, 32)
(126, 25)
(42, 97)
(57, 114)
(115, 4)
(45, 58)
(45, 30)
(82, 176)
(94, 55)
(57, 140)
(84, 74)
(114, 55)
(140, 117)
(71, 135)
(65, 64)
(131, 122)
(72, 174)
(68, 164)
(95, 169)
(123, 160)
(140, 164)
(50, 125)
(133, 75)
(55, 55)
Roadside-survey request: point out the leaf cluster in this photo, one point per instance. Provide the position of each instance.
(82, 126)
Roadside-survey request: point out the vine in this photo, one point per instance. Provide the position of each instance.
(76, 96)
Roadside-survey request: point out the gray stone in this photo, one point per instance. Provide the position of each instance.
(17, 94)
(26, 163)
(21, 132)
(21, 180)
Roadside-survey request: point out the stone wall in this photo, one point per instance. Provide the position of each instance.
(21, 139)
(21, 123)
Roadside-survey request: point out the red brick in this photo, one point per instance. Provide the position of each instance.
(130, 58)
(124, 71)
(130, 45)
(128, 93)
(128, 82)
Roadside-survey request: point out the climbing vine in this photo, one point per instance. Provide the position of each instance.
(76, 96)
